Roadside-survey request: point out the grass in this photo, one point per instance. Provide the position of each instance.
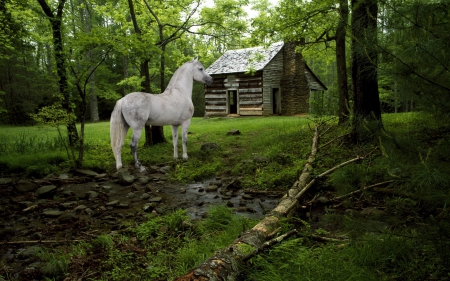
(407, 240)
(282, 140)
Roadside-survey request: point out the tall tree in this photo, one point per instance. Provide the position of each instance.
(366, 100)
(56, 20)
(341, 62)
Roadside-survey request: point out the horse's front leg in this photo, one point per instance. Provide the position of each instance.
(175, 141)
(184, 134)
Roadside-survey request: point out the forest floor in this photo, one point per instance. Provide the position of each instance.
(81, 205)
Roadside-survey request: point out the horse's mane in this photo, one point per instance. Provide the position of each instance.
(174, 80)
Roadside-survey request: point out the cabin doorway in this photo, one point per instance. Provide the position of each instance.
(232, 102)
(276, 101)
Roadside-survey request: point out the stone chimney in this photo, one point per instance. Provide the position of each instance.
(294, 86)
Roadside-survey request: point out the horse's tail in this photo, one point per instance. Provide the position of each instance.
(118, 131)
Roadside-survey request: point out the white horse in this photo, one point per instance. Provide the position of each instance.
(172, 107)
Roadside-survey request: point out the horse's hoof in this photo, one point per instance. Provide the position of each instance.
(142, 169)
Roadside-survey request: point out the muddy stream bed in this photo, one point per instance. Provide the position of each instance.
(82, 204)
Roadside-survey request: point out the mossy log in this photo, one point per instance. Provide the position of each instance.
(225, 264)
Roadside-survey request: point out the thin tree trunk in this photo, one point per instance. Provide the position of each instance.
(341, 62)
(60, 57)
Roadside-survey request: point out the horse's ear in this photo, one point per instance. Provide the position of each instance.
(196, 59)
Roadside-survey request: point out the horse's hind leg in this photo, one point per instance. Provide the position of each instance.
(184, 133)
(134, 146)
(175, 141)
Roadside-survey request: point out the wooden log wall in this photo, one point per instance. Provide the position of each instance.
(249, 95)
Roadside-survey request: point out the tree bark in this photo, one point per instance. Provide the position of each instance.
(341, 61)
(60, 57)
(153, 134)
(366, 100)
(225, 263)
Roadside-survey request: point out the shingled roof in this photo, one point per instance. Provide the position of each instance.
(242, 60)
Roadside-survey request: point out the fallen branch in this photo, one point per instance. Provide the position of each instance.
(38, 241)
(361, 190)
(270, 243)
(225, 263)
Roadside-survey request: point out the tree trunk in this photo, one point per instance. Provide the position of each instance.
(341, 61)
(225, 263)
(61, 70)
(154, 134)
(366, 100)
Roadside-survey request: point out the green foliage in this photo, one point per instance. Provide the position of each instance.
(349, 178)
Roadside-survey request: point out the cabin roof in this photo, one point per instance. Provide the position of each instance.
(242, 60)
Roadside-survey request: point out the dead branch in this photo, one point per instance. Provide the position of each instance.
(361, 190)
(39, 241)
(333, 140)
(270, 243)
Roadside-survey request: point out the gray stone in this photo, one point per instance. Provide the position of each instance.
(209, 146)
(80, 207)
(30, 252)
(261, 160)
(87, 172)
(155, 199)
(46, 191)
(165, 169)
(91, 195)
(233, 133)
(322, 199)
(211, 188)
(112, 203)
(5, 181)
(25, 185)
(144, 180)
(67, 217)
(125, 177)
(144, 196)
(52, 213)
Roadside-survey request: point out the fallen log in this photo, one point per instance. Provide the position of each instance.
(225, 264)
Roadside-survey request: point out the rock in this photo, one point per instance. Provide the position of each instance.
(46, 191)
(322, 200)
(233, 133)
(247, 196)
(148, 207)
(123, 205)
(52, 213)
(25, 185)
(26, 204)
(125, 177)
(234, 184)
(165, 169)
(144, 196)
(230, 204)
(209, 146)
(131, 195)
(155, 199)
(112, 203)
(261, 160)
(86, 172)
(67, 217)
(144, 180)
(80, 208)
(89, 211)
(6, 181)
(67, 205)
(91, 195)
(63, 177)
(30, 252)
(211, 188)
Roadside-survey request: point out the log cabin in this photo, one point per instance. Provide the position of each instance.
(260, 81)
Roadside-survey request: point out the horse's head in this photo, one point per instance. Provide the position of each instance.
(199, 73)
